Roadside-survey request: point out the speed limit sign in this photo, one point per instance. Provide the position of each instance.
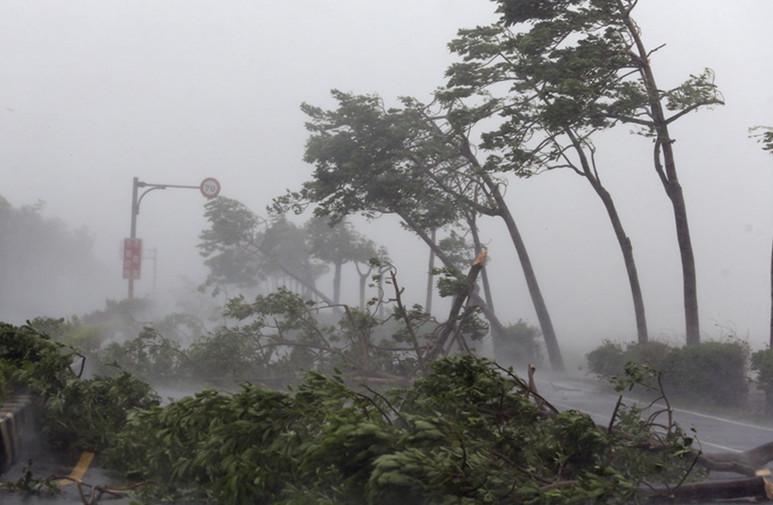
(210, 187)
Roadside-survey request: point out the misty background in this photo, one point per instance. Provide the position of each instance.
(94, 92)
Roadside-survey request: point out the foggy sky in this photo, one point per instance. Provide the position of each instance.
(95, 92)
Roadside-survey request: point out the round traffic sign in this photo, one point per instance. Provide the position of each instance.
(210, 187)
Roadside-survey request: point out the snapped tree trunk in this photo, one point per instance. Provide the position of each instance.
(456, 307)
(503, 211)
(430, 276)
(496, 324)
(673, 189)
(483, 273)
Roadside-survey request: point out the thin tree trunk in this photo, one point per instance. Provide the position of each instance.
(622, 238)
(673, 188)
(484, 272)
(337, 283)
(551, 342)
(456, 307)
(692, 325)
(630, 264)
(496, 324)
(381, 295)
(430, 275)
(363, 282)
(308, 283)
(543, 316)
(771, 298)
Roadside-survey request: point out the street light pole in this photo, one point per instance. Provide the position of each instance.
(209, 187)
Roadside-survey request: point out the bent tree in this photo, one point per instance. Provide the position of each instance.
(599, 68)
(401, 161)
(444, 154)
(535, 131)
(358, 153)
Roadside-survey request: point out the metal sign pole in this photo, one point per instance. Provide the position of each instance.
(209, 188)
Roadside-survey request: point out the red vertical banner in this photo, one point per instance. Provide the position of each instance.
(132, 258)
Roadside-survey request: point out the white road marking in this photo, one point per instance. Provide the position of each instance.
(605, 417)
(692, 413)
(723, 447)
(722, 419)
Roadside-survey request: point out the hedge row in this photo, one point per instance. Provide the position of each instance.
(712, 373)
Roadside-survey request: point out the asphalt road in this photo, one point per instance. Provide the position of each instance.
(715, 433)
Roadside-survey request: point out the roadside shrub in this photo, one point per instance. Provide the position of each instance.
(609, 359)
(150, 356)
(4, 373)
(653, 354)
(32, 361)
(762, 364)
(77, 413)
(88, 414)
(73, 332)
(519, 344)
(710, 372)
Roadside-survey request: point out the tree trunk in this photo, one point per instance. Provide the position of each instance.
(456, 307)
(543, 316)
(337, 283)
(771, 298)
(430, 276)
(673, 188)
(308, 283)
(692, 327)
(496, 324)
(484, 272)
(589, 171)
(551, 342)
(363, 283)
(630, 264)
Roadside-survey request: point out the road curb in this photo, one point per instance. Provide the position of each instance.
(16, 426)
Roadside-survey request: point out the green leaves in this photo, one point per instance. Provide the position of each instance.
(520, 11)
(87, 414)
(697, 91)
(762, 364)
(467, 433)
(764, 134)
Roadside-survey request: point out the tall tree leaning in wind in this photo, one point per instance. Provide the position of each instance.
(358, 153)
(578, 39)
(444, 154)
(536, 131)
